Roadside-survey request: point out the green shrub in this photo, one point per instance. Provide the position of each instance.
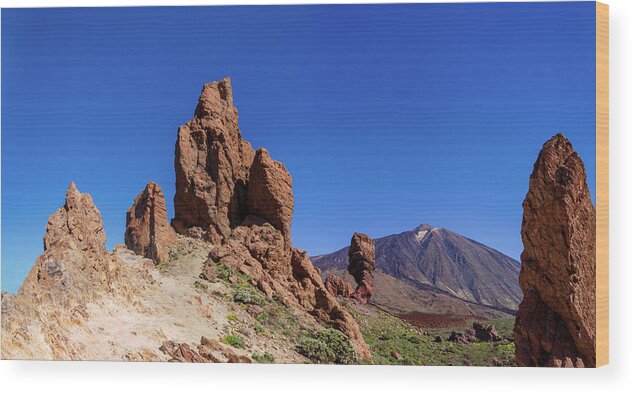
(328, 346)
(263, 358)
(249, 295)
(258, 329)
(233, 340)
(316, 350)
(232, 317)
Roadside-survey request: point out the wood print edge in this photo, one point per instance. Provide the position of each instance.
(602, 184)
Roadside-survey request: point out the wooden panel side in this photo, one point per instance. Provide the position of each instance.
(602, 190)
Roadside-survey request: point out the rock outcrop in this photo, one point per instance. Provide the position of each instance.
(556, 321)
(75, 258)
(212, 165)
(242, 202)
(148, 232)
(466, 337)
(361, 264)
(486, 333)
(74, 271)
(260, 251)
(338, 287)
(270, 193)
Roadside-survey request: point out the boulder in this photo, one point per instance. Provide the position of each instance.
(361, 260)
(466, 337)
(486, 333)
(555, 324)
(148, 232)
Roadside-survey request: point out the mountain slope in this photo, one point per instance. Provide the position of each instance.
(443, 262)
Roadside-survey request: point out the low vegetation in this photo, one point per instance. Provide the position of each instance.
(393, 341)
(264, 357)
(328, 346)
(233, 340)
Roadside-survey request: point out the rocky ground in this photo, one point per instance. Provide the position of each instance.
(164, 302)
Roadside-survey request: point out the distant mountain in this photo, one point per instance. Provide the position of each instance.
(437, 271)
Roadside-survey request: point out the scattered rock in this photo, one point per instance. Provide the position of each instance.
(148, 232)
(338, 287)
(438, 339)
(466, 337)
(361, 264)
(254, 310)
(180, 352)
(396, 355)
(486, 333)
(555, 324)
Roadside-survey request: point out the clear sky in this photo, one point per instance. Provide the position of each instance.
(387, 116)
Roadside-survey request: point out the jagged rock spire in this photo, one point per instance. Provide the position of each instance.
(556, 321)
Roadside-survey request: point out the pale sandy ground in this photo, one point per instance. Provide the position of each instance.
(167, 306)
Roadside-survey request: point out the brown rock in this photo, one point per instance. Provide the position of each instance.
(338, 287)
(396, 355)
(243, 203)
(181, 352)
(212, 167)
(555, 324)
(260, 251)
(466, 337)
(75, 265)
(148, 232)
(486, 333)
(270, 192)
(361, 264)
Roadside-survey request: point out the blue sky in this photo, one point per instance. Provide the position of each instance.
(387, 116)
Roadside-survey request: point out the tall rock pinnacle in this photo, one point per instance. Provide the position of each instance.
(75, 264)
(148, 232)
(212, 165)
(361, 264)
(556, 323)
(270, 192)
(242, 201)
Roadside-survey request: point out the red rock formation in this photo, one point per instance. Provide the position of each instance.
(486, 333)
(270, 192)
(338, 287)
(243, 202)
(361, 264)
(260, 251)
(212, 167)
(75, 265)
(556, 323)
(148, 232)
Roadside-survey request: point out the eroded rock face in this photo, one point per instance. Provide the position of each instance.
(556, 321)
(212, 165)
(338, 287)
(270, 192)
(361, 264)
(74, 270)
(242, 201)
(75, 256)
(148, 232)
(260, 251)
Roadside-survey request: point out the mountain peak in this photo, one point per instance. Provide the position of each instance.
(422, 231)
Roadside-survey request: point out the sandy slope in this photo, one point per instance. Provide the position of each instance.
(157, 303)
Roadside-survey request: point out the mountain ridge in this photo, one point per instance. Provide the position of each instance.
(440, 261)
